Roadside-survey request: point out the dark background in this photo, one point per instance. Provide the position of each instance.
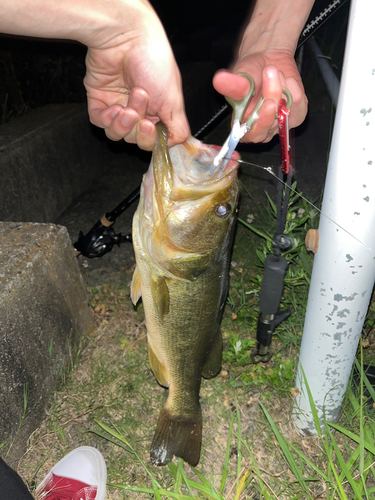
(34, 72)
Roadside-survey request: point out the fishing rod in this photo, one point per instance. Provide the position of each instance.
(101, 238)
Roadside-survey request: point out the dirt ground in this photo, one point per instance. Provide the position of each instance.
(113, 384)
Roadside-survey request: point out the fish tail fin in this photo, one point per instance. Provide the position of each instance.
(178, 436)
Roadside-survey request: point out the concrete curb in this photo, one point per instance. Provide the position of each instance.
(43, 312)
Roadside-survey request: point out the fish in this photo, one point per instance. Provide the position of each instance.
(182, 237)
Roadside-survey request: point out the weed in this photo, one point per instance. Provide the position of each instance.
(241, 317)
(8, 444)
(337, 477)
(300, 218)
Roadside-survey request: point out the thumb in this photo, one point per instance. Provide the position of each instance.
(177, 124)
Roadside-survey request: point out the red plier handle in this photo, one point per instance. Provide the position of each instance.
(283, 121)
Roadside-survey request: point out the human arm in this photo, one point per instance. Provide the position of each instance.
(132, 78)
(267, 54)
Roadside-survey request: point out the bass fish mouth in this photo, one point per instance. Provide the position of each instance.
(192, 162)
(205, 156)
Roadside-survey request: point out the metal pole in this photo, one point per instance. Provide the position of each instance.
(329, 77)
(344, 266)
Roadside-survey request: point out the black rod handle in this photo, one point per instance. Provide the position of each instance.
(271, 290)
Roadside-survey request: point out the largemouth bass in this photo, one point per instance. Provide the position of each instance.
(182, 235)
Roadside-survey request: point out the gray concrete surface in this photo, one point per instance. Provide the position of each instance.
(43, 312)
(47, 159)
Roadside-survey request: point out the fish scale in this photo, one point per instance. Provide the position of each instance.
(182, 236)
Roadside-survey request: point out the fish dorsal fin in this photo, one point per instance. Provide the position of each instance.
(160, 295)
(135, 287)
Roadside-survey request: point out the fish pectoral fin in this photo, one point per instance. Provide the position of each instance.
(177, 436)
(213, 364)
(190, 266)
(160, 295)
(135, 287)
(157, 368)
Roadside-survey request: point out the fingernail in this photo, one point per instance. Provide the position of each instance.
(127, 121)
(145, 128)
(271, 72)
(138, 99)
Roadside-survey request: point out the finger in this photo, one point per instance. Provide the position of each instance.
(122, 124)
(231, 85)
(145, 135)
(178, 133)
(177, 125)
(271, 84)
(266, 125)
(138, 100)
(102, 116)
(300, 103)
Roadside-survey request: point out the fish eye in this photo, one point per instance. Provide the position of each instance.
(222, 210)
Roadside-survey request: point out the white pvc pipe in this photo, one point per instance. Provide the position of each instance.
(344, 266)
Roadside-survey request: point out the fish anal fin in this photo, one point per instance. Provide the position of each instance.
(213, 364)
(158, 368)
(160, 295)
(177, 436)
(135, 287)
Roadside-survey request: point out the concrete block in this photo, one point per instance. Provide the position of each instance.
(47, 159)
(43, 312)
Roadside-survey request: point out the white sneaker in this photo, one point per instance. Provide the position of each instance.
(80, 475)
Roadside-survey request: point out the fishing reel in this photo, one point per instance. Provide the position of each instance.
(101, 238)
(99, 241)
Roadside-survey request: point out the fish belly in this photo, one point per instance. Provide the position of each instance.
(184, 342)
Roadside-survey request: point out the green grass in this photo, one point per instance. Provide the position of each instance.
(251, 449)
(240, 320)
(346, 472)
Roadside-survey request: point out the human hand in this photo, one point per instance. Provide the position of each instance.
(132, 83)
(132, 79)
(271, 71)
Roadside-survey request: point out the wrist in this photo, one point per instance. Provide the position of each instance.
(95, 23)
(121, 21)
(275, 26)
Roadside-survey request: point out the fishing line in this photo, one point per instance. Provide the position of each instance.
(271, 172)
